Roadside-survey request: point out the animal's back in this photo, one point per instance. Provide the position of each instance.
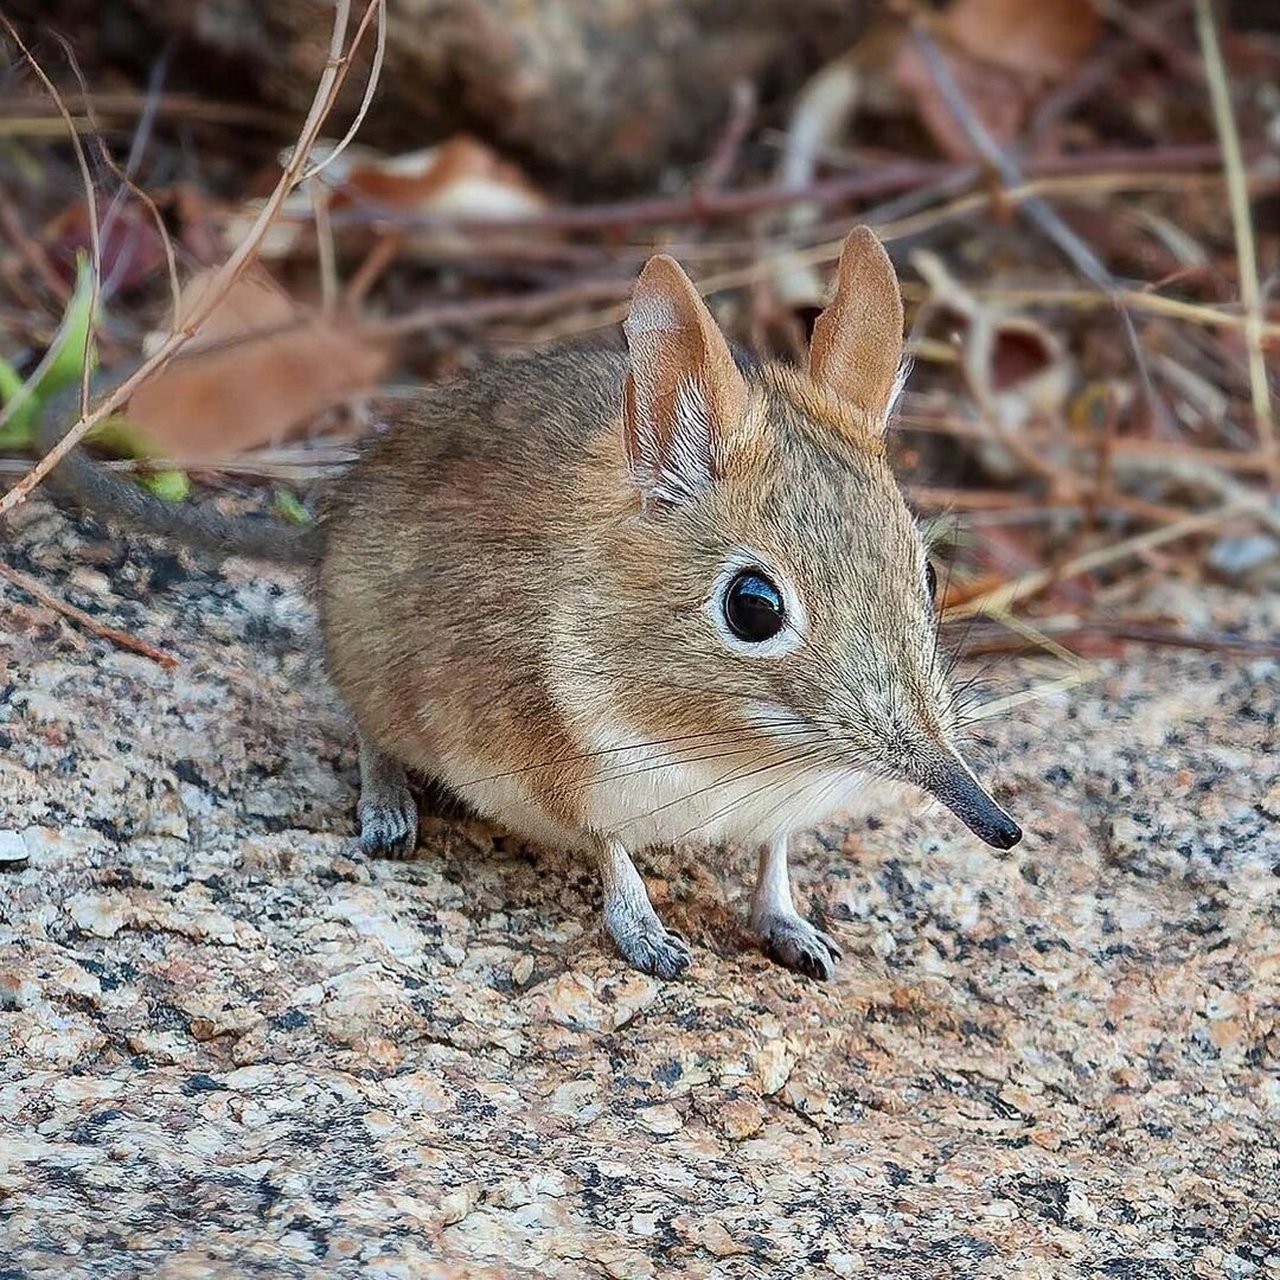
(436, 542)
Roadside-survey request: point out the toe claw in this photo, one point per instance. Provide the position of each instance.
(389, 832)
(796, 944)
(655, 950)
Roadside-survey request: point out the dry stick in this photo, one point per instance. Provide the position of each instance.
(482, 310)
(1160, 451)
(95, 242)
(123, 638)
(125, 176)
(1242, 225)
(182, 105)
(32, 251)
(1074, 631)
(1151, 30)
(133, 159)
(826, 251)
(371, 84)
(704, 206)
(1001, 598)
(743, 101)
(1037, 211)
(321, 105)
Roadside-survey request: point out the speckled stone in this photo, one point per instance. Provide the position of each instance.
(231, 1047)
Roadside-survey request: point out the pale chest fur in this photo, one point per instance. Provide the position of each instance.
(647, 794)
(643, 793)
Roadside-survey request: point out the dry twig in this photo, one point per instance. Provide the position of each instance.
(25, 582)
(1242, 225)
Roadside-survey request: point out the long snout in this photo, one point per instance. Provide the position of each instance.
(951, 781)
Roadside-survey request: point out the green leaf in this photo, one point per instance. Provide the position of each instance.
(291, 508)
(14, 432)
(117, 437)
(172, 486)
(65, 362)
(73, 340)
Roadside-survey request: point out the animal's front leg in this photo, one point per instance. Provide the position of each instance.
(785, 935)
(387, 811)
(632, 922)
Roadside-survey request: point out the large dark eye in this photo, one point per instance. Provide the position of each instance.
(931, 579)
(753, 607)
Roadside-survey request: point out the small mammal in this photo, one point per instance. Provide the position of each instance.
(615, 600)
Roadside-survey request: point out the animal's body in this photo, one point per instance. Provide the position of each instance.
(619, 600)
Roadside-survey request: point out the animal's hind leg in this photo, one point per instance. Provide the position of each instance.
(387, 811)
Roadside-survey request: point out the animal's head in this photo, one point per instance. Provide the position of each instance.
(777, 589)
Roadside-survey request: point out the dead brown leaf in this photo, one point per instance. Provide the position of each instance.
(997, 97)
(1035, 38)
(260, 368)
(1001, 53)
(131, 244)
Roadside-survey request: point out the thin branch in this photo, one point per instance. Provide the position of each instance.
(25, 582)
(1001, 598)
(1037, 211)
(703, 205)
(371, 85)
(1242, 225)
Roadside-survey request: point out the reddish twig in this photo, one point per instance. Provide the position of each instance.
(702, 205)
(742, 113)
(25, 582)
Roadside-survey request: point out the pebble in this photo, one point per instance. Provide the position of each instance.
(14, 854)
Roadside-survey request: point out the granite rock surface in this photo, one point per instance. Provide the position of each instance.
(229, 1046)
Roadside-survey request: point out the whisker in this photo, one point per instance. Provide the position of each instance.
(737, 776)
(577, 757)
(678, 760)
(736, 803)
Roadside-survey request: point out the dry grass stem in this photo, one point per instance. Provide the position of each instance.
(1242, 225)
(25, 582)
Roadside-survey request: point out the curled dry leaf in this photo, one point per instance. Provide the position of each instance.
(1044, 39)
(258, 369)
(1016, 369)
(460, 178)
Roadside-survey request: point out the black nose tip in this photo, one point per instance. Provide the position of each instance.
(1004, 835)
(957, 788)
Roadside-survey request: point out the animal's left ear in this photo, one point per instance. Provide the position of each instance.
(856, 350)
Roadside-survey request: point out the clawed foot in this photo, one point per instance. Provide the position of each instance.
(389, 827)
(793, 942)
(649, 946)
(387, 812)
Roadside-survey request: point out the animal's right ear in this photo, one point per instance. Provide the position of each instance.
(683, 392)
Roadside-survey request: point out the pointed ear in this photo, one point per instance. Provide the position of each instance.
(856, 350)
(683, 391)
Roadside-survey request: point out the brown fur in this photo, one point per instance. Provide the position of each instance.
(492, 545)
